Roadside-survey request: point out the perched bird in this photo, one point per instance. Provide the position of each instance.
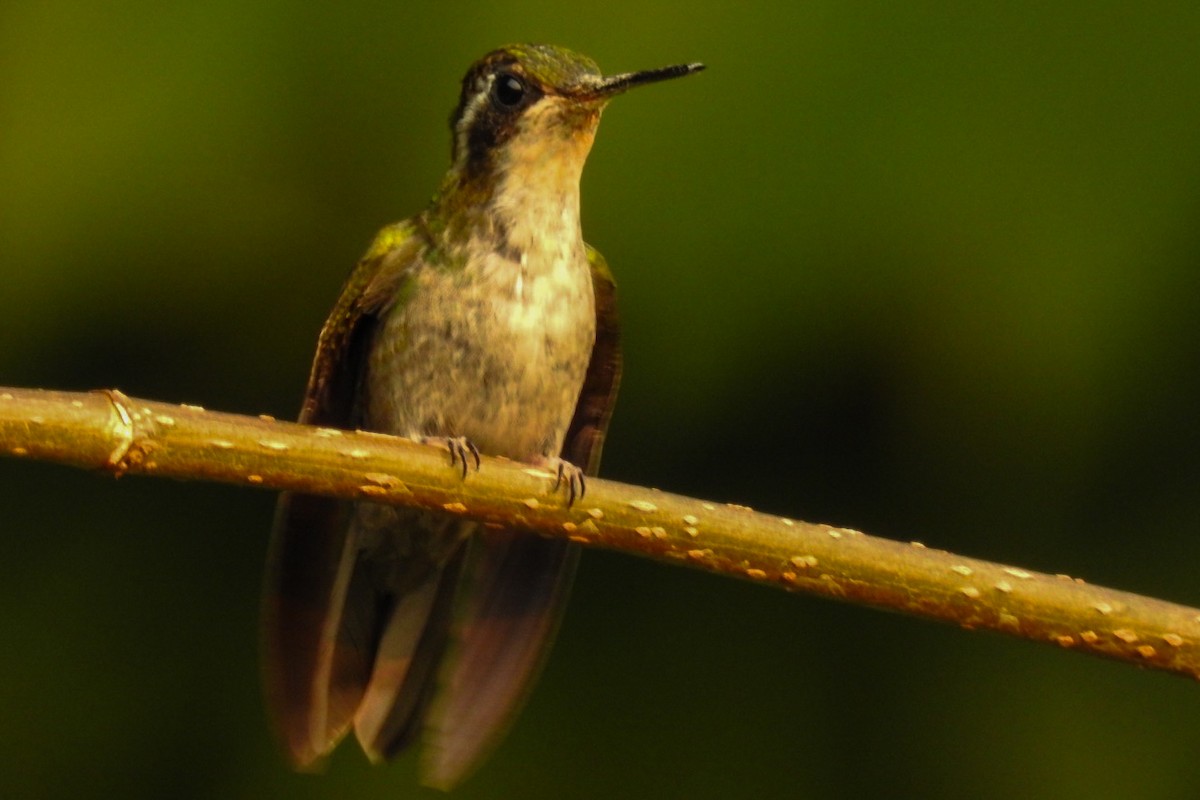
(484, 324)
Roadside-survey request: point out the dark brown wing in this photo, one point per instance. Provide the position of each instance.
(517, 587)
(314, 677)
(585, 437)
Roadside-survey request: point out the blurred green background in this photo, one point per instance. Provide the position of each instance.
(931, 270)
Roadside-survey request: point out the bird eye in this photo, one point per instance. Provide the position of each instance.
(508, 90)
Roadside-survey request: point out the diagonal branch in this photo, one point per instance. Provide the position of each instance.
(110, 432)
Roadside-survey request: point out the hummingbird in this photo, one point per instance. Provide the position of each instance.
(483, 324)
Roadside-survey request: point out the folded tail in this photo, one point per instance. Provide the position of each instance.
(355, 636)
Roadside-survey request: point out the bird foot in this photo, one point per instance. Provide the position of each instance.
(462, 450)
(566, 474)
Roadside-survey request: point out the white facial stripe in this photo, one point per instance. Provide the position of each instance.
(468, 118)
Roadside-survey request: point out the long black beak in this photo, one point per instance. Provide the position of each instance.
(612, 85)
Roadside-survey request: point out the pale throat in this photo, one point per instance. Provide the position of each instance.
(540, 272)
(536, 199)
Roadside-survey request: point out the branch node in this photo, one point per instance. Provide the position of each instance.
(122, 431)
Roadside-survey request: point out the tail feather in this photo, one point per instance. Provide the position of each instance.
(345, 649)
(515, 591)
(313, 684)
(412, 643)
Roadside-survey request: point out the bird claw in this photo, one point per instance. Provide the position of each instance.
(462, 450)
(566, 473)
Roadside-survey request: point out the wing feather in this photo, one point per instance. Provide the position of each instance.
(314, 670)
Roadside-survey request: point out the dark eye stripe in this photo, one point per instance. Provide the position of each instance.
(492, 102)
